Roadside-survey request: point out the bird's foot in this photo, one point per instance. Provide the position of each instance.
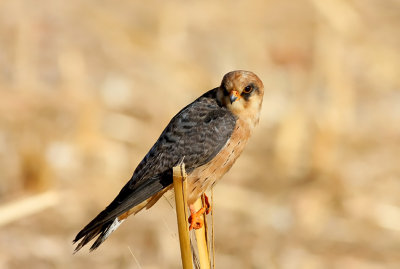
(196, 219)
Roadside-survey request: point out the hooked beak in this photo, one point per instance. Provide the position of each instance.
(233, 96)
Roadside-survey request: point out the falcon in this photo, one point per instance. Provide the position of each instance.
(209, 134)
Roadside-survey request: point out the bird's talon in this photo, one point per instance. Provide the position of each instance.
(196, 219)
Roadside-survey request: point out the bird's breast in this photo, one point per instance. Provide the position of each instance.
(203, 177)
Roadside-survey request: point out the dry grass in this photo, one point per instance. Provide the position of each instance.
(87, 86)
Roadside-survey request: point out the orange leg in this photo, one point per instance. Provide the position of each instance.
(207, 204)
(195, 219)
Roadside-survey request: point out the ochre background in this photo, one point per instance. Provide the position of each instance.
(86, 87)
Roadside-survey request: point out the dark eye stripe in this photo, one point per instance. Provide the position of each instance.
(224, 90)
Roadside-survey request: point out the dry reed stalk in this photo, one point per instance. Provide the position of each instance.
(179, 177)
(14, 211)
(201, 238)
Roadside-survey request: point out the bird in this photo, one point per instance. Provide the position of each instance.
(209, 134)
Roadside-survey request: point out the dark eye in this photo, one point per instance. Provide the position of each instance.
(248, 89)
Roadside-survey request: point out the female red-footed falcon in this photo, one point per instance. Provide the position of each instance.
(208, 134)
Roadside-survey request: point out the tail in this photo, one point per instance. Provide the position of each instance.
(103, 231)
(129, 201)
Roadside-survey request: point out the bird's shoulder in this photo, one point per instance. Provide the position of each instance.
(196, 133)
(202, 110)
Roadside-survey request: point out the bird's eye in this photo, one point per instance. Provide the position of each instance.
(248, 89)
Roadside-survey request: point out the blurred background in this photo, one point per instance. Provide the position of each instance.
(86, 87)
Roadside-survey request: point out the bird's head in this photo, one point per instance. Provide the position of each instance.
(242, 93)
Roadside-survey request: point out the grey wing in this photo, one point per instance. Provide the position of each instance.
(197, 133)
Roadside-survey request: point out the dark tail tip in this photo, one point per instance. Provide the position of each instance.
(103, 232)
